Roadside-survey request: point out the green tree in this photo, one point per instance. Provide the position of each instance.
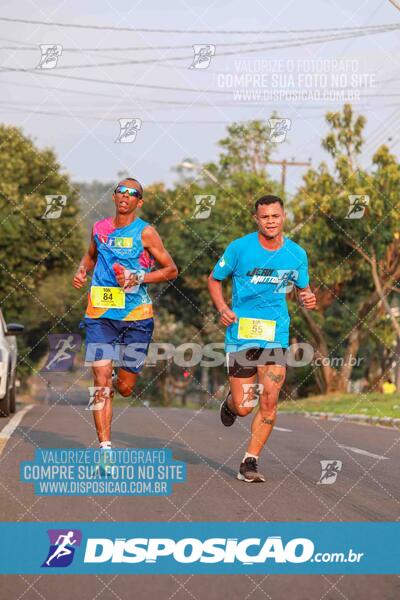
(246, 149)
(36, 253)
(355, 262)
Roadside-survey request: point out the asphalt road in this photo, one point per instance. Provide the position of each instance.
(367, 489)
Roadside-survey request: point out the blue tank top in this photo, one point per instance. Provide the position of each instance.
(124, 246)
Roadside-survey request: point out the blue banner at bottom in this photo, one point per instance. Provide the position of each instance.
(200, 548)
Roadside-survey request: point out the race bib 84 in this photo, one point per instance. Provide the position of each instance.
(107, 297)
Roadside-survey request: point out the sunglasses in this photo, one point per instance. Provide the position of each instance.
(121, 189)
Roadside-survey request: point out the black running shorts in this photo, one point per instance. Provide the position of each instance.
(244, 363)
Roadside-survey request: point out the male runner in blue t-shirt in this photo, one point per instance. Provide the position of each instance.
(264, 266)
(119, 314)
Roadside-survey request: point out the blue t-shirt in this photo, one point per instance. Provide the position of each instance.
(261, 279)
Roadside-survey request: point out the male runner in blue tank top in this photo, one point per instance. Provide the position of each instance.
(119, 315)
(264, 266)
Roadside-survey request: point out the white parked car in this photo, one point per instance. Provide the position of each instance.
(8, 363)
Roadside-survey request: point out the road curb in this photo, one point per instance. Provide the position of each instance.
(387, 421)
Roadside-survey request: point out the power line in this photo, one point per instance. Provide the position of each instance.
(79, 104)
(173, 103)
(147, 47)
(243, 50)
(61, 90)
(105, 95)
(15, 108)
(119, 83)
(380, 29)
(192, 31)
(115, 119)
(143, 85)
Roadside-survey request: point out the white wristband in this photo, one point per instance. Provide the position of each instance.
(140, 276)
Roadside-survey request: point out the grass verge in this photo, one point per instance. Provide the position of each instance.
(371, 405)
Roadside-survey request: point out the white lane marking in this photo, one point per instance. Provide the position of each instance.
(364, 452)
(283, 429)
(12, 425)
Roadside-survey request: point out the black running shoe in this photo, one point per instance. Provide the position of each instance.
(248, 471)
(227, 416)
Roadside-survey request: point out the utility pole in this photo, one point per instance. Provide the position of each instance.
(288, 163)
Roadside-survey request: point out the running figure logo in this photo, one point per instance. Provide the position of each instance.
(203, 206)
(279, 129)
(55, 205)
(63, 348)
(128, 130)
(62, 547)
(329, 471)
(97, 397)
(251, 394)
(357, 207)
(50, 55)
(202, 56)
(286, 281)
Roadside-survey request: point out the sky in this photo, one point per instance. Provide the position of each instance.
(297, 60)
